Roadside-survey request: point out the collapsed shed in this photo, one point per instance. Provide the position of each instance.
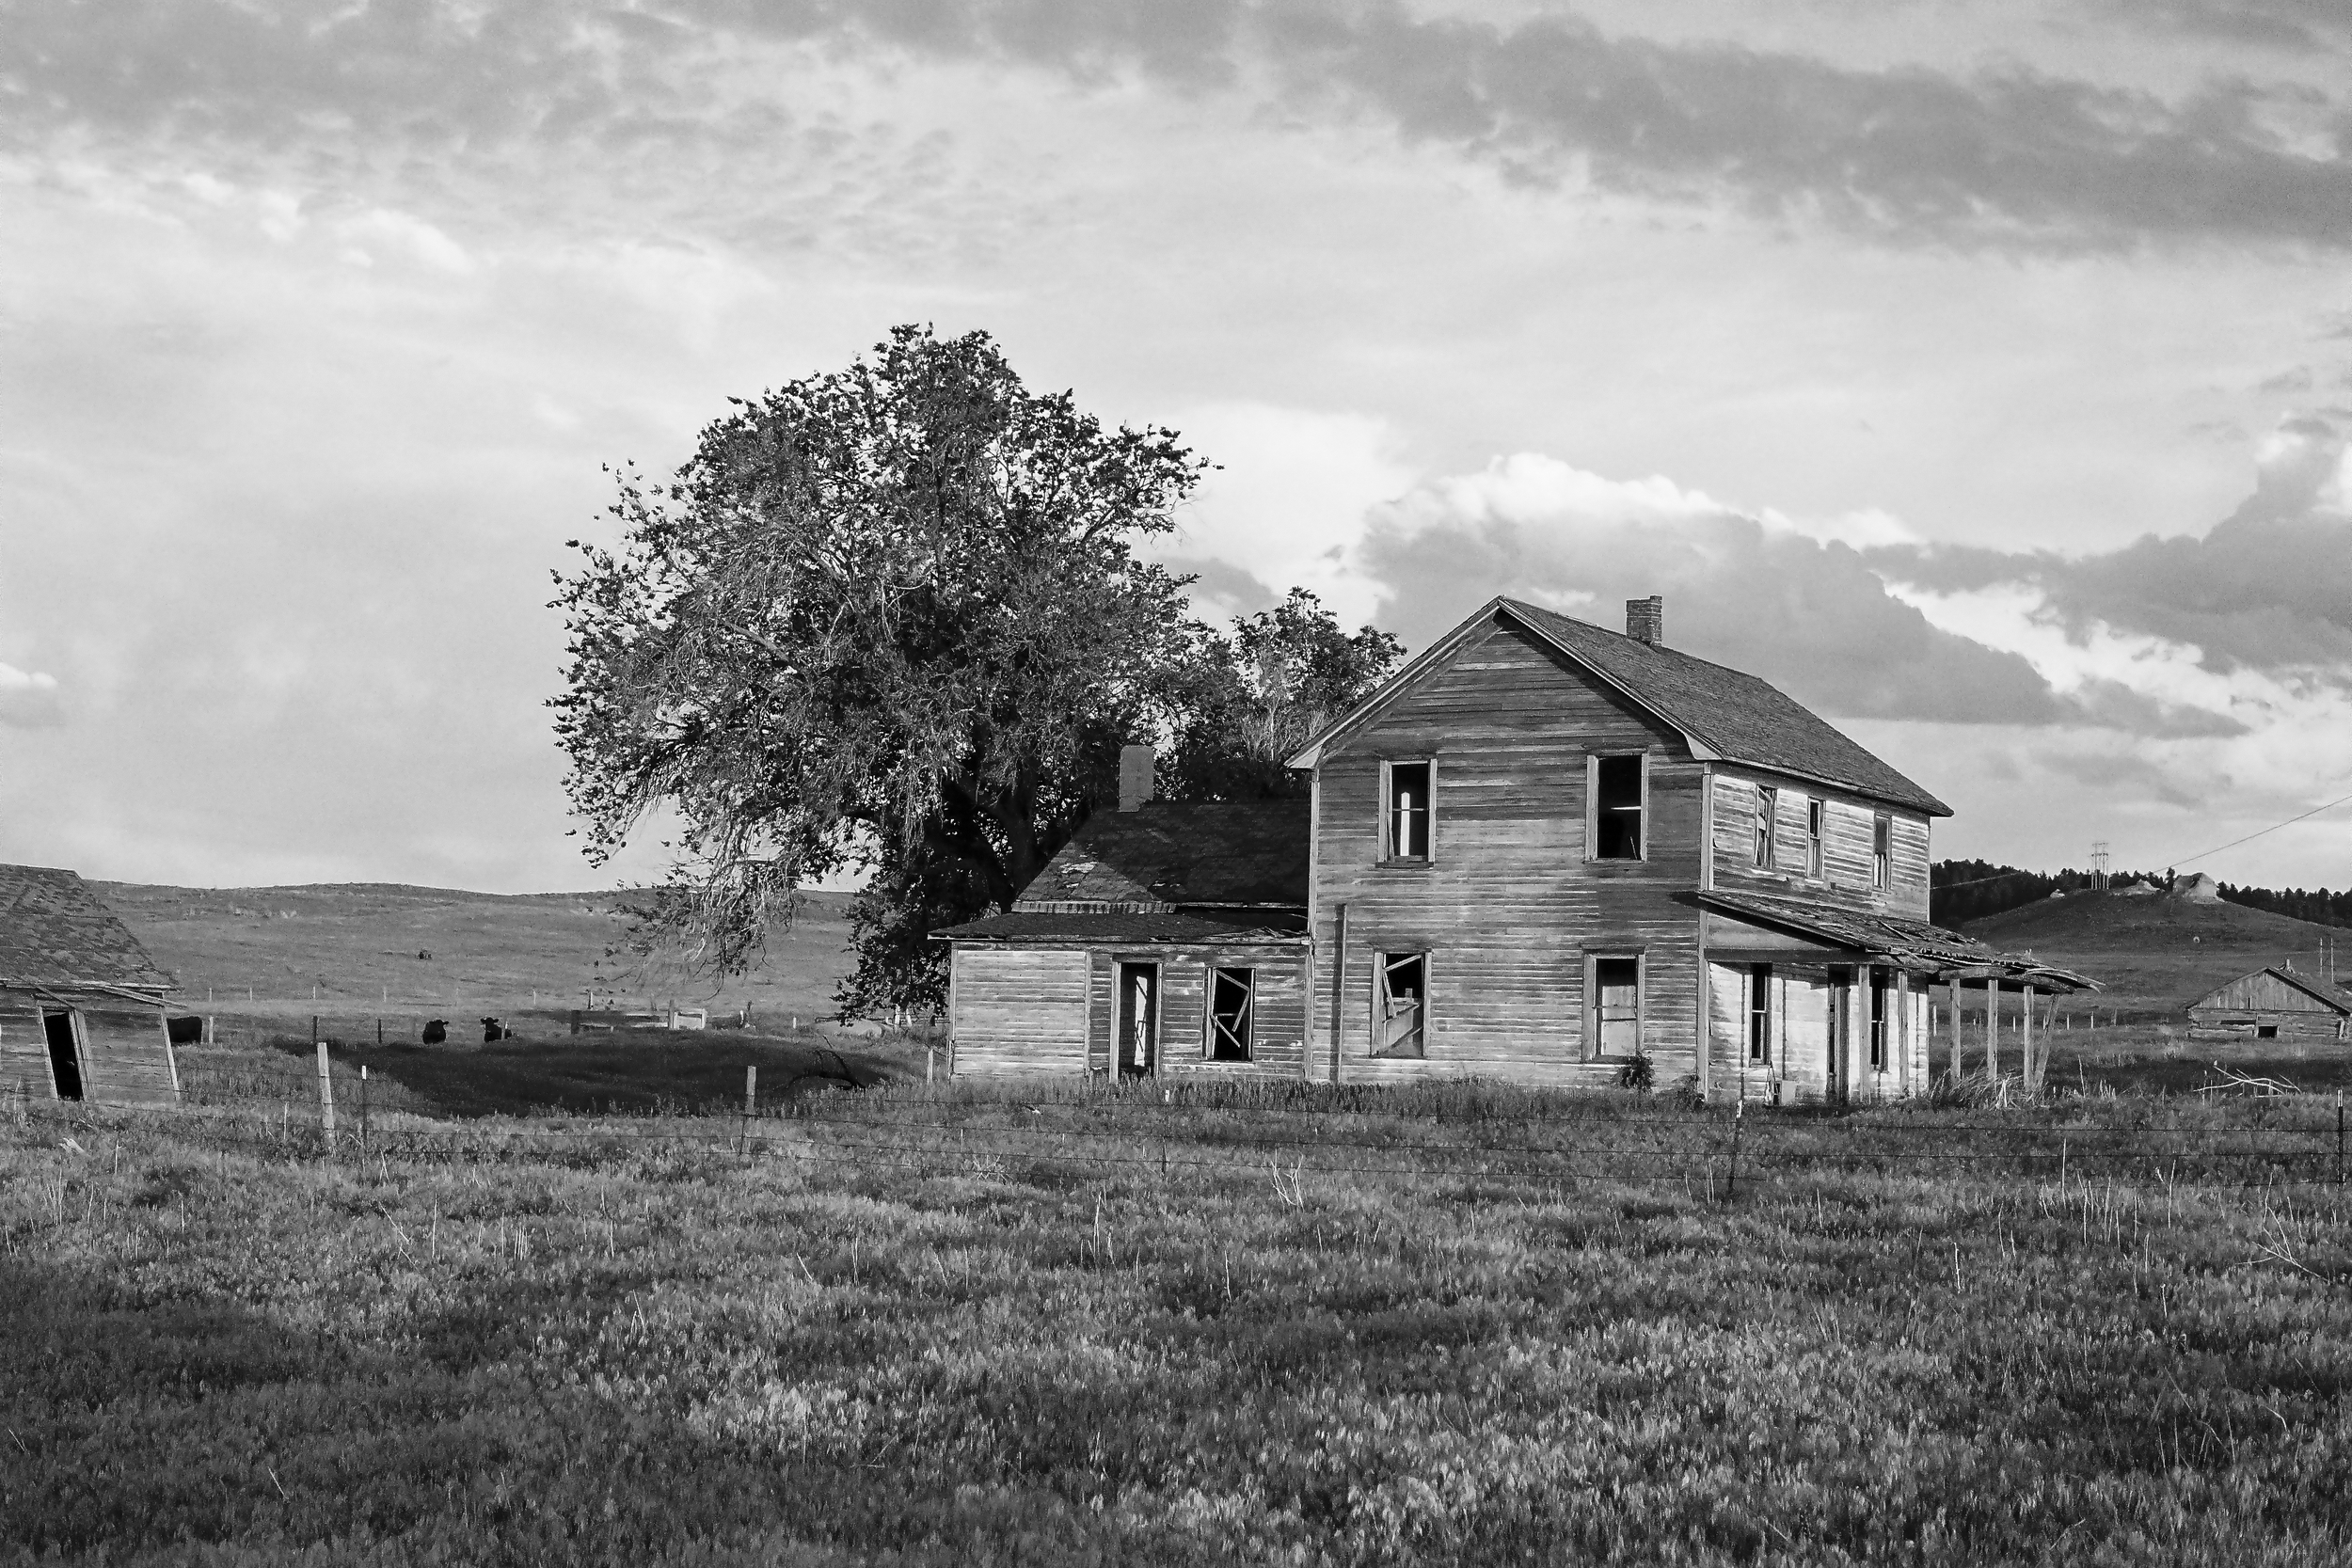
(81, 1003)
(2277, 1002)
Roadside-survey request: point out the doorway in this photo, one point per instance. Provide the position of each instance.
(1139, 1018)
(65, 1061)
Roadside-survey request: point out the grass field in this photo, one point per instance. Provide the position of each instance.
(1056, 1326)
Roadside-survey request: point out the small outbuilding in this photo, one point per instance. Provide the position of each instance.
(2277, 1003)
(81, 1003)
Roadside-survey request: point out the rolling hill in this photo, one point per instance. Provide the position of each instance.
(358, 948)
(2155, 952)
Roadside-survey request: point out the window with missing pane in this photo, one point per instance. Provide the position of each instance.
(1233, 998)
(1408, 814)
(1617, 808)
(1614, 1028)
(1767, 824)
(1400, 1003)
(1882, 849)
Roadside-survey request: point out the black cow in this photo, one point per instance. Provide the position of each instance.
(494, 1030)
(435, 1031)
(184, 1030)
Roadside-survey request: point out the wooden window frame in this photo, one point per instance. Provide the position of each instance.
(1389, 855)
(1250, 1015)
(1592, 810)
(1767, 827)
(1594, 957)
(1878, 1015)
(1380, 959)
(1815, 835)
(1881, 850)
(1759, 989)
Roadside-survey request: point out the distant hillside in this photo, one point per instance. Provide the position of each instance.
(2156, 951)
(360, 944)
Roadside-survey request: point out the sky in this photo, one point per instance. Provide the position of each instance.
(1979, 375)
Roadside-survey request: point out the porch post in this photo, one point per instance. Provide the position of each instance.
(2033, 1068)
(1900, 1032)
(1992, 1027)
(1951, 1014)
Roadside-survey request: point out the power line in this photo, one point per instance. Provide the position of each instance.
(2272, 828)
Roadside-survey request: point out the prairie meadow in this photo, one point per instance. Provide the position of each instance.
(1050, 1324)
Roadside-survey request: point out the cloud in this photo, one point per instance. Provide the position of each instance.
(1807, 614)
(2003, 156)
(28, 699)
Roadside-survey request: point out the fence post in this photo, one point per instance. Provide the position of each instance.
(326, 1099)
(363, 1107)
(751, 1102)
(2339, 1137)
(1731, 1182)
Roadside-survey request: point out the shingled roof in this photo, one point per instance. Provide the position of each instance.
(1181, 854)
(1184, 926)
(55, 933)
(1725, 712)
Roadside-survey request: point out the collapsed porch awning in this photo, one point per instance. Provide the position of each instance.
(1914, 945)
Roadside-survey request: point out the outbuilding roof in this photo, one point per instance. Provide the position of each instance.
(1181, 854)
(1183, 928)
(55, 933)
(1723, 713)
(1911, 945)
(2318, 989)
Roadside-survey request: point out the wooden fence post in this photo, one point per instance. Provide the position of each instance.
(363, 1109)
(326, 1099)
(2024, 1036)
(751, 1102)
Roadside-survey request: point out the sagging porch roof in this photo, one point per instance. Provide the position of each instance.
(1909, 944)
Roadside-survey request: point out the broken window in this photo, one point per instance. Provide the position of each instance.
(1400, 1003)
(1767, 819)
(1760, 1014)
(2265, 1031)
(1408, 811)
(1882, 849)
(1816, 825)
(1877, 1021)
(1616, 816)
(1615, 1027)
(1231, 1001)
(64, 1057)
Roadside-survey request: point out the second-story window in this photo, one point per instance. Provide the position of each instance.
(1816, 826)
(1882, 849)
(1615, 821)
(1767, 823)
(1407, 813)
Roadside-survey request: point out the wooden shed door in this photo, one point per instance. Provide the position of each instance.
(65, 1061)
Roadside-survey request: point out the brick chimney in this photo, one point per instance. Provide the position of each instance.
(1136, 785)
(1646, 619)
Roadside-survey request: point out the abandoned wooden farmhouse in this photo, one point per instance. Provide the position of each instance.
(2279, 1002)
(81, 1003)
(1541, 849)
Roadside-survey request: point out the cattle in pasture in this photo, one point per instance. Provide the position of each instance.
(495, 1029)
(186, 1029)
(435, 1031)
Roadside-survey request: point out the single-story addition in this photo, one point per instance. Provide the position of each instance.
(1541, 850)
(2280, 1002)
(1163, 938)
(81, 1003)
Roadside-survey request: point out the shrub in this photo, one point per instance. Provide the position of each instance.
(1639, 1072)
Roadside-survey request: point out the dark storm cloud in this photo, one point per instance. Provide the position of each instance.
(2270, 587)
(2001, 157)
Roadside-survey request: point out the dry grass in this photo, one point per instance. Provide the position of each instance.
(1051, 1326)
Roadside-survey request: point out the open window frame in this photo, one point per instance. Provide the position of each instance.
(1604, 774)
(1400, 1018)
(1405, 831)
(1231, 1020)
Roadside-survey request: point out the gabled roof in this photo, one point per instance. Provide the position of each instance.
(1722, 713)
(2318, 989)
(1167, 854)
(1914, 944)
(53, 932)
(1182, 926)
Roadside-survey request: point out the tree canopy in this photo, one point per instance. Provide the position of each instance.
(892, 617)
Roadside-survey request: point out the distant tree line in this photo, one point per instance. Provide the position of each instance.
(1961, 891)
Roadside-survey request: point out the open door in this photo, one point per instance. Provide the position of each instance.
(1139, 1018)
(65, 1055)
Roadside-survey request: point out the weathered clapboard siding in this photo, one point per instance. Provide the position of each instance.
(1278, 978)
(2263, 999)
(1507, 907)
(124, 1053)
(1845, 845)
(1019, 1009)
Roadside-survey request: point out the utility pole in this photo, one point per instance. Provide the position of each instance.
(2099, 864)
